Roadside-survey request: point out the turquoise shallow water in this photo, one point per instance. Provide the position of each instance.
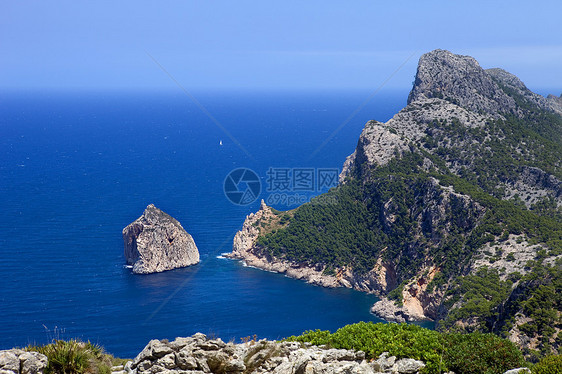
(75, 168)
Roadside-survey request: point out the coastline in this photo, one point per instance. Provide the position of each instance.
(378, 281)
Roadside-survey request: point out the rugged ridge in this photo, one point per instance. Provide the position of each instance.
(461, 80)
(199, 354)
(157, 242)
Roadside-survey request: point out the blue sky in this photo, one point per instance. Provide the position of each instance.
(316, 44)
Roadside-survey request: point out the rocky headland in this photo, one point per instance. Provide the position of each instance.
(451, 189)
(157, 242)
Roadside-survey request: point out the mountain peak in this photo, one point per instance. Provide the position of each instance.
(460, 80)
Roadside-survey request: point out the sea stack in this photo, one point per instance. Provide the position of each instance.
(157, 242)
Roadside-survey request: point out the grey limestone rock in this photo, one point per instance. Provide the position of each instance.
(18, 361)
(198, 354)
(510, 81)
(519, 371)
(461, 80)
(157, 242)
(377, 145)
(408, 365)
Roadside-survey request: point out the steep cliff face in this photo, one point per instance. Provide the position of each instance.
(555, 102)
(460, 80)
(378, 144)
(512, 82)
(445, 210)
(156, 242)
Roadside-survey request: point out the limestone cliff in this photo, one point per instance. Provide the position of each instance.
(449, 211)
(460, 80)
(156, 242)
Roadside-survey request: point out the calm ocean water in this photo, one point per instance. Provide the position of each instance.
(75, 168)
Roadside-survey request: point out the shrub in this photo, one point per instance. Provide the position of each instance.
(473, 353)
(316, 337)
(75, 357)
(481, 353)
(400, 340)
(66, 357)
(549, 365)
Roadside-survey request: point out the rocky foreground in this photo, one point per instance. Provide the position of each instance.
(198, 354)
(18, 361)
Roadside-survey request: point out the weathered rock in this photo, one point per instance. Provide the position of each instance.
(510, 81)
(461, 80)
(555, 102)
(384, 363)
(192, 355)
(389, 311)
(408, 365)
(157, 242)
(33, 362)
(377, 145)
(518, 371)
(18, 361)
(9, 361)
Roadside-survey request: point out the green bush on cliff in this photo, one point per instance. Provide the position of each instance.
(541, 301)
(549, 365)
(481, 353)
(400, 340)
(480, 296)
(463, 353)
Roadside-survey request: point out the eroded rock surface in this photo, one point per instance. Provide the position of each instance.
(156, 242)
(461, 80)
(18, 361)
(198, 354)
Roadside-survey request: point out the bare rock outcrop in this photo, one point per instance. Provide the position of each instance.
(198, 354)
(555, 102)
(156, 242)
(533, 184)
(512, 82)
(377, 145)
(461, 80)
(19, 361)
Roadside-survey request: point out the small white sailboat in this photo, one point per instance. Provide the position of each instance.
(220, 142)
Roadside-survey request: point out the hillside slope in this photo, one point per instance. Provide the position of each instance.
(451, 210)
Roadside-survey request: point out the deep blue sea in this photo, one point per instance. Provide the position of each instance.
(77, 167)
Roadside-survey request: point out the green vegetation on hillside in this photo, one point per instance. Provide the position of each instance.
(332, 234)
(538, 298)
(549, 365)
(480, 296)
(441, 352)
(394, 212)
